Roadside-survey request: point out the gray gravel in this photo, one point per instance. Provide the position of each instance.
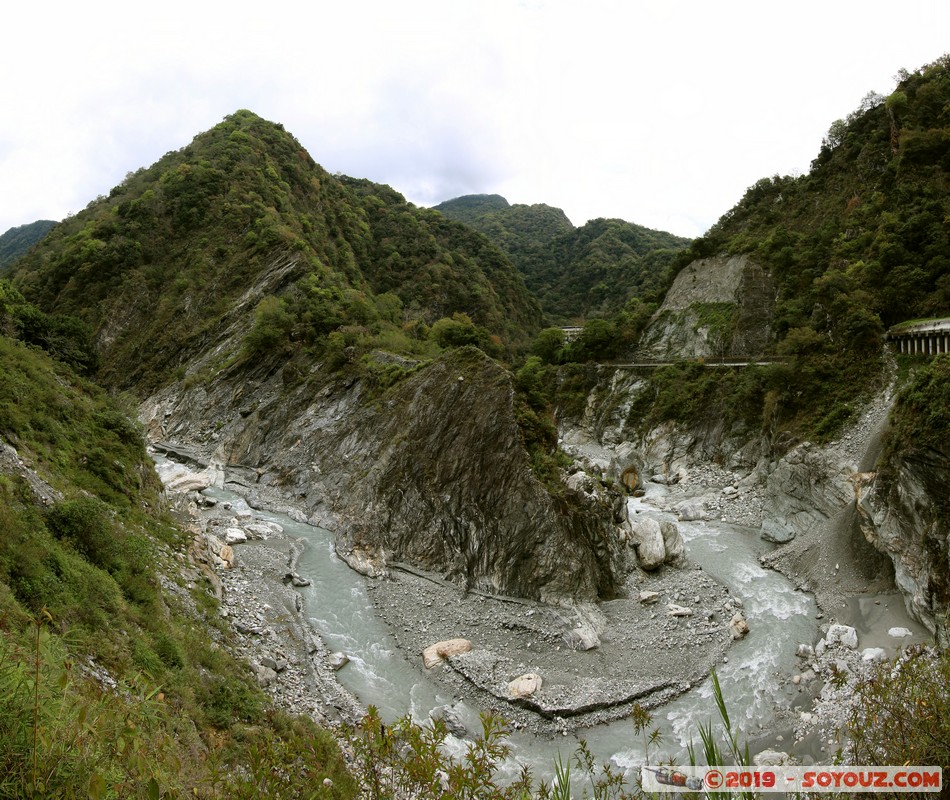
(291, 662)
(268, 630)
(644, 655)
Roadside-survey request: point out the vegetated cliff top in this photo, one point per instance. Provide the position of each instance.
(470, 208)
(574, 272)
(243, 211)
(511, 227)
(858, 244)
(17, 241)
(870, 216)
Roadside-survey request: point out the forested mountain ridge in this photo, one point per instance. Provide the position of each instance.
(856, 245)
(244, 215)
(238, 287)
(16, 241)
(841, 254)
(241, 293)
(870, 216)
(512, 227)
(574, 272)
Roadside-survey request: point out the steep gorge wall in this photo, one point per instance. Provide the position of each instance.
(716, 307)
(840, 528)
(432, 472)
(905, 512)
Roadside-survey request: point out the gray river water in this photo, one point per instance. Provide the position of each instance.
(755, 676)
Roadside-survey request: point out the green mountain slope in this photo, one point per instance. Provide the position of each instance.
(870, 216)
(515, 228)
(187, 247)
(574, 272)
(16, 241)
(858, 244)
(596, 269)
(114, 674)
(472, 208)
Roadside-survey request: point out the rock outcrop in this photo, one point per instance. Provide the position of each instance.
(806, 489)
(12, 464)
(435, 654)
(716, 307)
(905, 513)
(656, 542)
(432, 472)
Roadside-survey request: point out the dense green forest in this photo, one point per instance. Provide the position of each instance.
(575, 273)
(158, 266)
(16, 241)
(859, 243)
(241, 233)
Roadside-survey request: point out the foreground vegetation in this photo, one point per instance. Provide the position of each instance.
(112, 684)
(901, 715)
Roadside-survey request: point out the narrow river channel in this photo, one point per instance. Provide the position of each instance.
(754, 676)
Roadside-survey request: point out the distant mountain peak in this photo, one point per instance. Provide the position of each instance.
(574, 272)
(17, 241)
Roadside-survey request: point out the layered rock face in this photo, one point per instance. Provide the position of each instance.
(905, 513)
(716, 307)
(807, 488)
(803, 500)
(433, 473)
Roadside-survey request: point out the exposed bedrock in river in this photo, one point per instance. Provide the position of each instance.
(843, 529)
(903, 511)
(433, 473)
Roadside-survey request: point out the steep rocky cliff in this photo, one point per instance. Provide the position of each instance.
(849, 518)
(431, 472)
(905, 514)
(716, 307)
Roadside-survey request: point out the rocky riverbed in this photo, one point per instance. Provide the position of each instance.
(250, 565)
(594, 662)
(585, 664)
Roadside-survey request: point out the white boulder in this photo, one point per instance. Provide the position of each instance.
(647, 537)
(844, 635)
(674, 610)
(235, 536)
(436, 653)
(738, 627)
(524, 686)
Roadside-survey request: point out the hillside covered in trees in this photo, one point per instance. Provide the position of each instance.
(128, 677)
(241, 236)
(243, 213)
(575, 273)
(16, 241)
(859, 243)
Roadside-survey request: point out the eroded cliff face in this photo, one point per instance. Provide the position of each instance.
(432, 472)
(905, 513)
(716, 307)
(805, 489)
(840, 530)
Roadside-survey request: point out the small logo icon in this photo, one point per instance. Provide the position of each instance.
(674, 777)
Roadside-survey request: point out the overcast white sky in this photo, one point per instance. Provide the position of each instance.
(660, 112)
